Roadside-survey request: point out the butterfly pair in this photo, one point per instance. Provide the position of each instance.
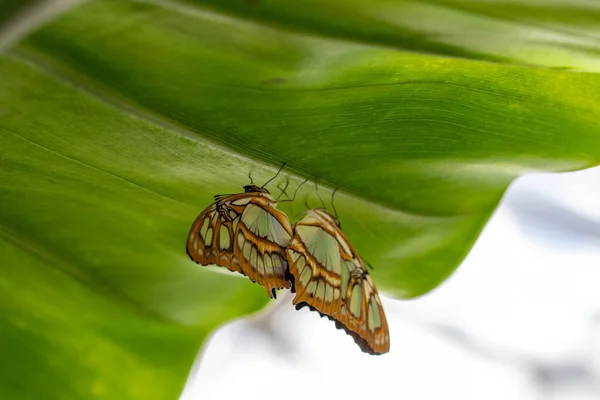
(246, 233)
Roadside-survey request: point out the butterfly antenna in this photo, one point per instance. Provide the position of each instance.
(287, 183)
(267, 182)
(250, 177)
(333, 204)
(295, 191)
(318, 195)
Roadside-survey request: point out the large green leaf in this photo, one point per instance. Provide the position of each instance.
(121, 120)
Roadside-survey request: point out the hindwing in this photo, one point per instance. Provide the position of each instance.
(245, 233)
(329, 277)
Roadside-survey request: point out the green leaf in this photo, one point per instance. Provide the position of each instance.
(19, 17)
(121, 120)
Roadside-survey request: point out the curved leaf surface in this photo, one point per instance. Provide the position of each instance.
(121, 120)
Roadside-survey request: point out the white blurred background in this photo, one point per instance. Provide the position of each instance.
(519, 319)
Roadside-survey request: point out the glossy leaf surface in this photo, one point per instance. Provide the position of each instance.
(121, 119)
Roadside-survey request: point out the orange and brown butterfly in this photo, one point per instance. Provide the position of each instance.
(246, 233)
(329, 277)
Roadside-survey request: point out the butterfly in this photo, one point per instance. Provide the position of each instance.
(245, 233)
(329, 277)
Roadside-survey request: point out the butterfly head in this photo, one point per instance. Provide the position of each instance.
(255, 189)
(252, 188)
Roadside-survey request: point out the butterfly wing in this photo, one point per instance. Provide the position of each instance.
(209, 239)
(260, 241)
(244, 233)
(330, 278)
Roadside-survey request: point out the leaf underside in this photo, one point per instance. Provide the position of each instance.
(120, 120)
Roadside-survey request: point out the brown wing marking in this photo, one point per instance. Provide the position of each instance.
(332, 295)
(207, 243)
(261, 259)
(219, 237)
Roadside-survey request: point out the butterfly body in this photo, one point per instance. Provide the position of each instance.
(245, 233)
(330, 277)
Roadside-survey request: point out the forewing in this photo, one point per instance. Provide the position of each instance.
(245, 233)
(260, 241)
(331, 279)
